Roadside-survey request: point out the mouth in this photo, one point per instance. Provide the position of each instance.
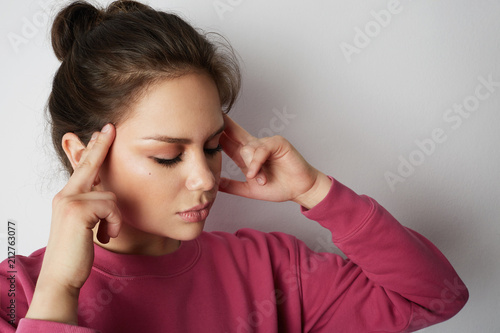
(197, 213)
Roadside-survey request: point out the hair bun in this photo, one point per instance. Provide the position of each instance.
(71, 24)
(126, 6)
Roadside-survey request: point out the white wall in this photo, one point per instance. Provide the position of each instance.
(354, 117)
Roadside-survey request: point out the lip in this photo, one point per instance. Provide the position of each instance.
(197, 208)
(197, 213)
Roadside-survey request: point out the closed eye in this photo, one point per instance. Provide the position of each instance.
(174, 161)
(168, 163)
(213, 151)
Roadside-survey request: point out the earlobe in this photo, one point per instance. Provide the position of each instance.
(73, 147)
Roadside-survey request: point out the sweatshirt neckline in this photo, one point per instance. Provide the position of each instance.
(133, 265)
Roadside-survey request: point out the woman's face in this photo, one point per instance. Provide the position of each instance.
(165, 162)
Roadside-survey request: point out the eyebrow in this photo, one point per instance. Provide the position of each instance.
(167, 139)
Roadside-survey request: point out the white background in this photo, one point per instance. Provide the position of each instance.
(356, 117)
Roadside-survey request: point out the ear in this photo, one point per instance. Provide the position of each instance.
(73, 147)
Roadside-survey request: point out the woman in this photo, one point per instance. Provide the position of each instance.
(138, 119)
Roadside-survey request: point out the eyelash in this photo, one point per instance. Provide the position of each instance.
(174, 161)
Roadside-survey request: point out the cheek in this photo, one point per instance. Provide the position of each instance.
(126, 174)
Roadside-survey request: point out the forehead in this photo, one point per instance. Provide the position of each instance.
(187, 106)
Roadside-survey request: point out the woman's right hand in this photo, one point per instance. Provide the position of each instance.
(69, 255)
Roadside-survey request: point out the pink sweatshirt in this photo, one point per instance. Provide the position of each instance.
(394, 280)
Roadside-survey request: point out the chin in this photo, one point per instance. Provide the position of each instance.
(190, 232)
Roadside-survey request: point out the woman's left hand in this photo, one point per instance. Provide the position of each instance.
(274, 169)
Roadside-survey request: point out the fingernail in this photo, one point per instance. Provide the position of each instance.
(94, 136)
(106, 128)
(260, 180)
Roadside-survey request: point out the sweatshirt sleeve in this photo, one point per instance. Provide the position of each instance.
(393, 280)
(17, 285)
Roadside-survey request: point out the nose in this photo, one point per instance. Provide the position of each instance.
(200, 177)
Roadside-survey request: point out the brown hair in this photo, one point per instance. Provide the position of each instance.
(109, 56)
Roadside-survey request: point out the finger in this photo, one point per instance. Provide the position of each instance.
(235, 132)
(234, 187)
(108, 215)
(107, 230)
(259, 157)
(109, 212)
(232, 149)
(88, 168)
(91, 143)
(101, 205)
(241, 154)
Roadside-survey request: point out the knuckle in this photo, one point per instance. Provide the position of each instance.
(61, 200)
(278, 141)
(114, 214)
(57, 199)
(263, 142)
(278, 138)
(73, 205)
(112, 197)
(113, 201)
